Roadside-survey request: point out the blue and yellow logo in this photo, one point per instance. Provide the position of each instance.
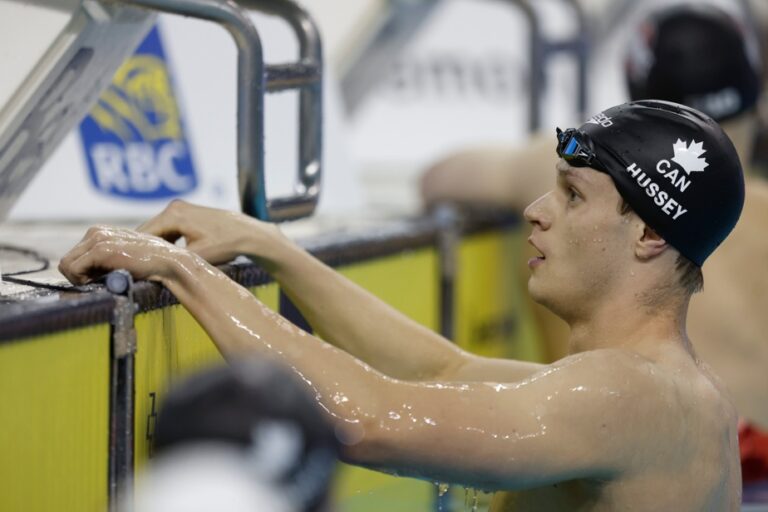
(134, 137)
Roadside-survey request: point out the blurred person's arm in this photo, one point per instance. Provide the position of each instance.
(495, 176)
(546, 428)
(340, 311)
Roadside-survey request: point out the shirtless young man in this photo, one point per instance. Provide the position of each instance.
(664, 61)
(630, 420)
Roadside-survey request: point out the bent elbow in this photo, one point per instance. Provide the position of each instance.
(364, 442)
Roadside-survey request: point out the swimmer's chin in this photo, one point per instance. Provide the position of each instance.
(538, 295)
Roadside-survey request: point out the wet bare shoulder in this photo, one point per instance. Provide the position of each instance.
(600, 402)
(689, 406)
(630, 388)
(668, 377)
(616, 365)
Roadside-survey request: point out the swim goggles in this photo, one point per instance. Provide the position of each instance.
(576, 149)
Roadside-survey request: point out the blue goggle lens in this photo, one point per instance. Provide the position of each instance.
(571, 148)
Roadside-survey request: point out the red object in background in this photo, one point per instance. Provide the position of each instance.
(753, 448)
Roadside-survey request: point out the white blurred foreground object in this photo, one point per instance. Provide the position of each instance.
(203, 478)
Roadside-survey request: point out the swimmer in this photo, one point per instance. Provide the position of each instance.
(664, 61)
(630, 420)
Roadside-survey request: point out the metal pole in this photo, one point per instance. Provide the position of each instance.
(536, 56)
(447, 218)
(122, 399)
(581, 49)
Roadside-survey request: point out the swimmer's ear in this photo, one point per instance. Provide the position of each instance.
(650, 245)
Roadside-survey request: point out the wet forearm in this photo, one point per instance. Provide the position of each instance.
(355, 320)
(240, 325)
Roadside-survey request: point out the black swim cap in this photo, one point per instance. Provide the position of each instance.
(675, 167)
(696, 55)
(261, 408)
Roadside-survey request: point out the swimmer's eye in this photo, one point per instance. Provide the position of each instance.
(572, 195)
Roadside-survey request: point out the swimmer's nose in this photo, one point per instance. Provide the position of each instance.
(535, 214)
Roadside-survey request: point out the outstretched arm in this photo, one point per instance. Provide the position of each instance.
(560, 424)
(498, 176)
(341, 312)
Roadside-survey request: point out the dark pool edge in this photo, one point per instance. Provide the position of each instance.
(44, 313)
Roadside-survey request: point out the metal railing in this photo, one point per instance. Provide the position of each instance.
(254, 80)
(401, 22)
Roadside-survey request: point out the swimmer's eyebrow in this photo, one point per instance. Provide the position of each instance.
(565, 170)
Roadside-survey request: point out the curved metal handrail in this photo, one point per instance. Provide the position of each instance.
(254, 80)
(306, 75)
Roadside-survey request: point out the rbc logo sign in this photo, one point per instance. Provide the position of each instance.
(134, 137)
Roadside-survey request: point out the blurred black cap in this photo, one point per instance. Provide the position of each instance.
(262, 408)
(697, 55)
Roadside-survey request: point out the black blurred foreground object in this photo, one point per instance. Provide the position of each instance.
(245, 436)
